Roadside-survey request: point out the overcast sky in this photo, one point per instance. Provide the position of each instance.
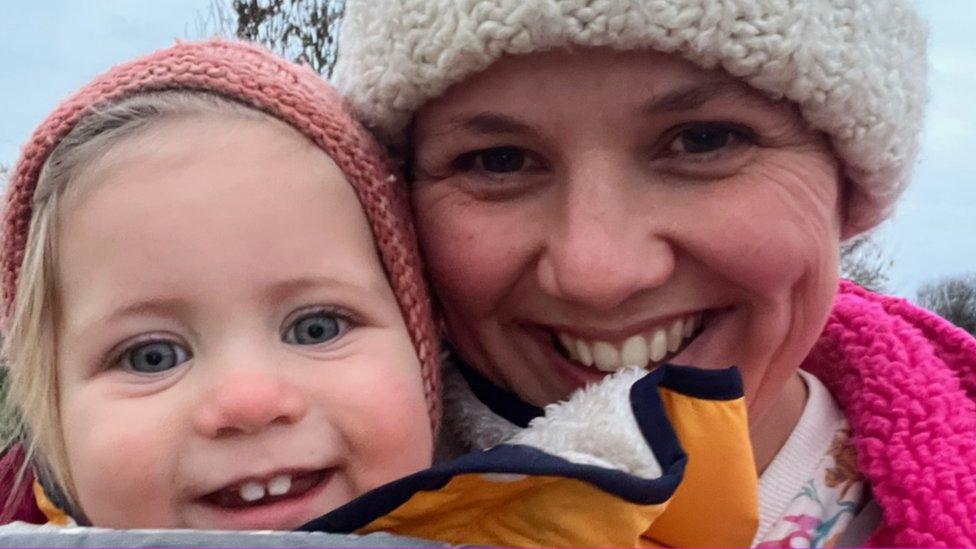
(49, 48)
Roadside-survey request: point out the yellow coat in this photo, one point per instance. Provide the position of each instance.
(638, 460)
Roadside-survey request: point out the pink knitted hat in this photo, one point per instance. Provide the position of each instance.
(291, 93)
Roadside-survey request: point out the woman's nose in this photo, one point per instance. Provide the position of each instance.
(603, 249)
(248, 402)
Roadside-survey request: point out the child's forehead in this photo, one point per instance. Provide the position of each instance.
(205, 142)
(219, 201)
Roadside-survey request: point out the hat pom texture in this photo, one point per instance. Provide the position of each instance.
(856, 68)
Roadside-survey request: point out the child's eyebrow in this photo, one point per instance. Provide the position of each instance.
(284, 288)
(152, 306)
(155, 306)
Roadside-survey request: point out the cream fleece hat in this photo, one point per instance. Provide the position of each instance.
(856, 68)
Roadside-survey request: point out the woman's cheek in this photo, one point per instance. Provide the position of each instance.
(474, 252)
(777, 227)
(745, 250)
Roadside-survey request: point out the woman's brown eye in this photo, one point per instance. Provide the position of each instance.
(705, 139)
(699, 141)
(494, 160)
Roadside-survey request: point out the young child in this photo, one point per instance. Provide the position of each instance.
(216, 320)
(213, 301)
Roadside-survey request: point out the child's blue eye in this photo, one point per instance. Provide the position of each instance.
(313, 329)
(155, 357)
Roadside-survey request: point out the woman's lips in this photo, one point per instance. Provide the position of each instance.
(712, 347)
(579, 369)
(645, 349)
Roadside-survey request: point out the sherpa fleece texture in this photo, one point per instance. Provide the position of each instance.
(906, 380)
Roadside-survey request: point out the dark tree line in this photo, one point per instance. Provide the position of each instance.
(305, 31)
(864, 261)
(952, 298)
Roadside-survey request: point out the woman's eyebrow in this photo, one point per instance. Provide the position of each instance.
(487, 123)
(695, 95)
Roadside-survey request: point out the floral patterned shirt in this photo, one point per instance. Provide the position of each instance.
(812, 489)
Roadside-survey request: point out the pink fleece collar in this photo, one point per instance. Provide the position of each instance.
(906, 380)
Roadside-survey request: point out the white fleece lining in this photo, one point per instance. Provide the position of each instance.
(596, 426)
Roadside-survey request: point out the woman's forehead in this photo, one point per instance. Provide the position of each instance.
(638, 84)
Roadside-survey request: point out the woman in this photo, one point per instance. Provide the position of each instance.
(605, 184)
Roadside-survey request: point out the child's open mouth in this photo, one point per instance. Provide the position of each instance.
(265, 491)
(646, 350)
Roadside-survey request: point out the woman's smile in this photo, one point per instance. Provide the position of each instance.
(612, 350)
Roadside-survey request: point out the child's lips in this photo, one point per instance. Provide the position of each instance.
(254, 492)
(266, 503)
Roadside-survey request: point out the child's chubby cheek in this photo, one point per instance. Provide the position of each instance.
(124, 461)
(385, 422)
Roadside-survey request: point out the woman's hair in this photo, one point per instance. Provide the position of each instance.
(29, 345)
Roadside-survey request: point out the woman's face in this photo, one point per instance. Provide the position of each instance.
(586, 211)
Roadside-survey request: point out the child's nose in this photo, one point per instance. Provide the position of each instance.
(248, 403)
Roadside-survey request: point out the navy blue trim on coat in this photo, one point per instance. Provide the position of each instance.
(725, 384)
(503, 403)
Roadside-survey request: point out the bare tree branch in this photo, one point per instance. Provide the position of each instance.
(864, 262)
(954, 299)
(305, 31)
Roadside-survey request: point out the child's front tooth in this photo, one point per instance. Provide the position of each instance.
(252, 491)
(279, 485)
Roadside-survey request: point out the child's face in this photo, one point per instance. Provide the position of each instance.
(230, 354)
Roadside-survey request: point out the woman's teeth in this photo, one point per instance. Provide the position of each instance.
(638, 350)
